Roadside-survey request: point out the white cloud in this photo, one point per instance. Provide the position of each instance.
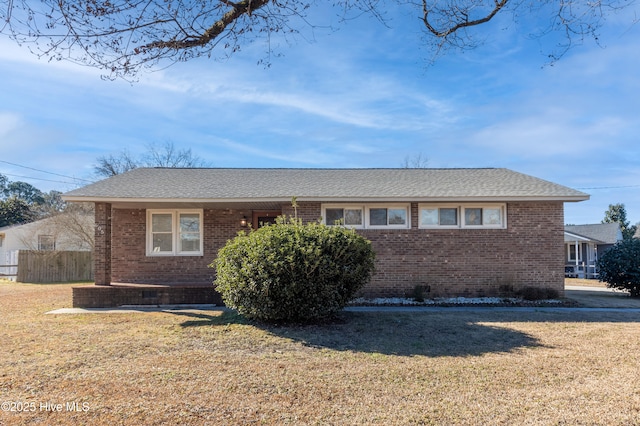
(550, 134)
(9, 122)
(295, 155)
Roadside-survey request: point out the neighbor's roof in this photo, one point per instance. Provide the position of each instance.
(607, 233)
(251, 185)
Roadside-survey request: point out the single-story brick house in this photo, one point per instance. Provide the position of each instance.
(454, 232)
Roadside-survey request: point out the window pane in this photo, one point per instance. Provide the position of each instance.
(46, 242)
(190, 222)
(492, 216)
(397, 216)
(161, 222)
(448, 216)
(190, 242)
(189, 232)
(334, 215)
(473, 216)
(162, 242)
(352, 217)
(378, 217)
(429, 217)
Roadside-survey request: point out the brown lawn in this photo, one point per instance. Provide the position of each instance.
(584, 282)
(207, 367)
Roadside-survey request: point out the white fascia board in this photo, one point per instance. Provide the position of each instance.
(322, 199)
(576, 237)
(81, 199)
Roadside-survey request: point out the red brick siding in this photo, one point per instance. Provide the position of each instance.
(472, 262)
(114, 295)
(466, 262)
(130, 264)
(308, 212)
(102, 244)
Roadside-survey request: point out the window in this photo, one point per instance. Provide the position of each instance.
(371, 216)
(438, 216)
(388, 217)
(483, 216)
(571, 251)
(174, 233)
(46, 242)
(462, 216)
(348, 216)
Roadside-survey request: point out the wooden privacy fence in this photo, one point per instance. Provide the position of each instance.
(54, 266)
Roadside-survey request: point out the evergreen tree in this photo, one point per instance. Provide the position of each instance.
(618, 214)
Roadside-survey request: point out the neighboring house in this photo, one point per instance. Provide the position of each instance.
(43, 235)
(583, 244)
(453, 232)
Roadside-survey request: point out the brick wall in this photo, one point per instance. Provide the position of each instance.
(465, 262)
(472, 262)
(114, 295)
(130, 264)
(102, 245)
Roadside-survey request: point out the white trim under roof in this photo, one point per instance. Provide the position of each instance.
(319, 199)
(576, 237)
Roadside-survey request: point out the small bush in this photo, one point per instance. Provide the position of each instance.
(290, 272)
(538, 293)
(619, 266)
(418, 293)
(506, 290)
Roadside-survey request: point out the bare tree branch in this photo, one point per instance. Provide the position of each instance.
(165, 155)
(460, 16)
(124, 36)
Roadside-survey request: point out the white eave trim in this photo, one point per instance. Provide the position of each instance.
(322, 199)
(576, 237)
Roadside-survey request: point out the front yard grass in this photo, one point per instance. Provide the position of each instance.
(209, 367)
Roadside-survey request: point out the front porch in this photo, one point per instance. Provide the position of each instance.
(581, 256)
(119, 294)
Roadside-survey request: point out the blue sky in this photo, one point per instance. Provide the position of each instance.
(363, 96)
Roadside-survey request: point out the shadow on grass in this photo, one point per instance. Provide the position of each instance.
(403, 334)
(225, 317)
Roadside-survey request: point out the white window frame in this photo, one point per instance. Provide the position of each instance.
(405, 207)
(175, 232)
(501, 207)
(365, 209)
(438, 207)
(579, 253)
(326, 207)
(461, 212)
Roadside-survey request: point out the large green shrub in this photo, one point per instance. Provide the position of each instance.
(290, 272)
(619, 266)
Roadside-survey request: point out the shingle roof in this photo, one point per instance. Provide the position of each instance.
(608, 233)
(216, 184)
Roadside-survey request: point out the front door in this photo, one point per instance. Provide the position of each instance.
(262, 218)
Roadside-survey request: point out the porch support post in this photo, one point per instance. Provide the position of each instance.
(102, 244)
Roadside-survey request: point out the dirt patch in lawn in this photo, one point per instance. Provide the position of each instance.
(206, 367)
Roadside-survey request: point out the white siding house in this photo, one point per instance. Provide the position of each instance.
(43, 235)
